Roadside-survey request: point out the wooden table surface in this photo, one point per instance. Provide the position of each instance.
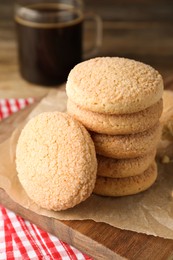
(142, 30)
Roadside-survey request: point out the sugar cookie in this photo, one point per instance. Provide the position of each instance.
(114, 85)
(117, 124)
(56, 161)
(122, 168)
(127, 146)
(126, 186)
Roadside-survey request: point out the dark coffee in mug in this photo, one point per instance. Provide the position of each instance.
(51, 45)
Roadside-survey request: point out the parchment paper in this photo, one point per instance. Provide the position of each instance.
(150, 212)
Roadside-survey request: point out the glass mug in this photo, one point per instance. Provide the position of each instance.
(50, 39)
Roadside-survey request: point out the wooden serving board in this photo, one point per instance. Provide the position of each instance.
(99, 240)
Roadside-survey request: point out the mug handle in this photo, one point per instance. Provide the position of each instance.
(92, 51)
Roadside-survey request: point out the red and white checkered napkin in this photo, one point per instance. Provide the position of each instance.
(9, 106)
(20, 239)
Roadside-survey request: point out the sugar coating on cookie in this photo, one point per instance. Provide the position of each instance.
(114, 85)
(116, 124)
(126, 186)
(127, 146)
(56, 161)
(122, 168)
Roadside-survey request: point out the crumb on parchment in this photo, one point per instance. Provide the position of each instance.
(166, 159)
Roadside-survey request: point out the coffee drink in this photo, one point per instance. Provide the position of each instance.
(49, 42)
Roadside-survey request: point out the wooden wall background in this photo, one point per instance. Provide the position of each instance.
(139, 29)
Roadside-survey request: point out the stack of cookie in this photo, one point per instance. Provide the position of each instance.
(120, 102)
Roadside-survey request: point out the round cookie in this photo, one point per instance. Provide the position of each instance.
(122, 168)
(127, 146)
(126, 186)
(116, 124)
(56, 161)
(114, 85)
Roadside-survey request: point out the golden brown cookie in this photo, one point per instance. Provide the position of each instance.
(56, 161)
(116, 124)
(122, 168)
(127, 146)
(114, 85)
(126, 186)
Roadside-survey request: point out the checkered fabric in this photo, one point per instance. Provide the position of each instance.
(20, 239)
(9, 106)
